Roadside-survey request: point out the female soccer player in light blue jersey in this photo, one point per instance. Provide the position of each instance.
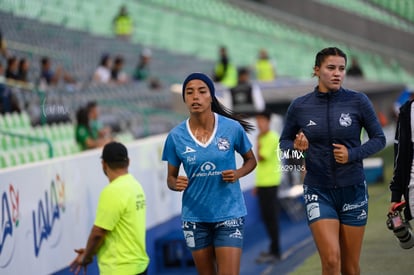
(213, 207)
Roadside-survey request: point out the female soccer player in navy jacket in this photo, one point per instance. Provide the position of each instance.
(327, 123)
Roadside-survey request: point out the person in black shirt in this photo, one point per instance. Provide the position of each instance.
(355, 69)
(247, 98)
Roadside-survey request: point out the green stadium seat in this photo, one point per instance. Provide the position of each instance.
(2, 122)
(3, 161)
(12, 158)
(32, 155)
(24, 120)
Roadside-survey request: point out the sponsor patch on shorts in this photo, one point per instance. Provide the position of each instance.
(313, 210)
(363, 215)
(189, 238)
(237, 234)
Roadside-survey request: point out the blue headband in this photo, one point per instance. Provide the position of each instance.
(202, 77)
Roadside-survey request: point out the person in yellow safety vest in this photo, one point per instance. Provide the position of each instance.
(265, 68)
(123, 24)
(224, 72)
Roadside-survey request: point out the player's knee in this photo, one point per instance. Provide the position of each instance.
(331, 264)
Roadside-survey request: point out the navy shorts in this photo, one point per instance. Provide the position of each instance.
(199, 235)
(347, 204)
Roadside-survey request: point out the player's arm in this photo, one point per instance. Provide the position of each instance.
(249, 163)
(174, 181)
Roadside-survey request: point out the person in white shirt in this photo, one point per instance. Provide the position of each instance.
(102, 74)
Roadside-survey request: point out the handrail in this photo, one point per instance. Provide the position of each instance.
(145, 111)
(31, 138)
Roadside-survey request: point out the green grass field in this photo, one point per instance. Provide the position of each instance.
(381, 253)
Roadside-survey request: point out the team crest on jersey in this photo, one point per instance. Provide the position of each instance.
(345, 120)
(223, 144)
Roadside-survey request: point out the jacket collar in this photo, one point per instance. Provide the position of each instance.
(328, 94)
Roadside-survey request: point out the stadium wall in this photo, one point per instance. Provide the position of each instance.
(48, 208)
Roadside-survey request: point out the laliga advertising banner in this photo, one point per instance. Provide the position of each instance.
(47, 209)
(44, 213)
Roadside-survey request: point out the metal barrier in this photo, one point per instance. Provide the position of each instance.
(31, 139)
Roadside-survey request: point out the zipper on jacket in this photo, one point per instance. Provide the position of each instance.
(328, 110)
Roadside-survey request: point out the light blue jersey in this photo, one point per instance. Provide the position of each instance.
(208, 198)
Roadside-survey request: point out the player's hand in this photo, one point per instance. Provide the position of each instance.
(229, 176)
(340, 153)
(181, 183)
(80, 262)
(301, 142)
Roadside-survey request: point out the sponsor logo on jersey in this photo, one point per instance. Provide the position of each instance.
(207, 169)
(311, 123)
(191, 160)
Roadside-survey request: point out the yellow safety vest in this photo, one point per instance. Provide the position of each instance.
(264, 70)
(123, 25)
(229, 79)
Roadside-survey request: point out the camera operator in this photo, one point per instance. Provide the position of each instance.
(402, 183)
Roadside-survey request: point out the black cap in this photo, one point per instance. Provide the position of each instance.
(114, 152)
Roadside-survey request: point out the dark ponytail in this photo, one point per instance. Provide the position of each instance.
(220, 109)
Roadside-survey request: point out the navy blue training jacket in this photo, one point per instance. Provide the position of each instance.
(333, 117)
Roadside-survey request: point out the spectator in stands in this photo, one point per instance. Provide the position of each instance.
(224, 71)
(123, 24)
(213, 207)
(265, 68)
(327, 123)
(117, 74)
(247, 98)
(50, 77)
(8, 101)
(143, 71)
(355, 69)
(3, 45)
(87, 135)
(268, 179)
(23, 70)
(98, 130)
(118, 234)
(12, 68)
(102, 74)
